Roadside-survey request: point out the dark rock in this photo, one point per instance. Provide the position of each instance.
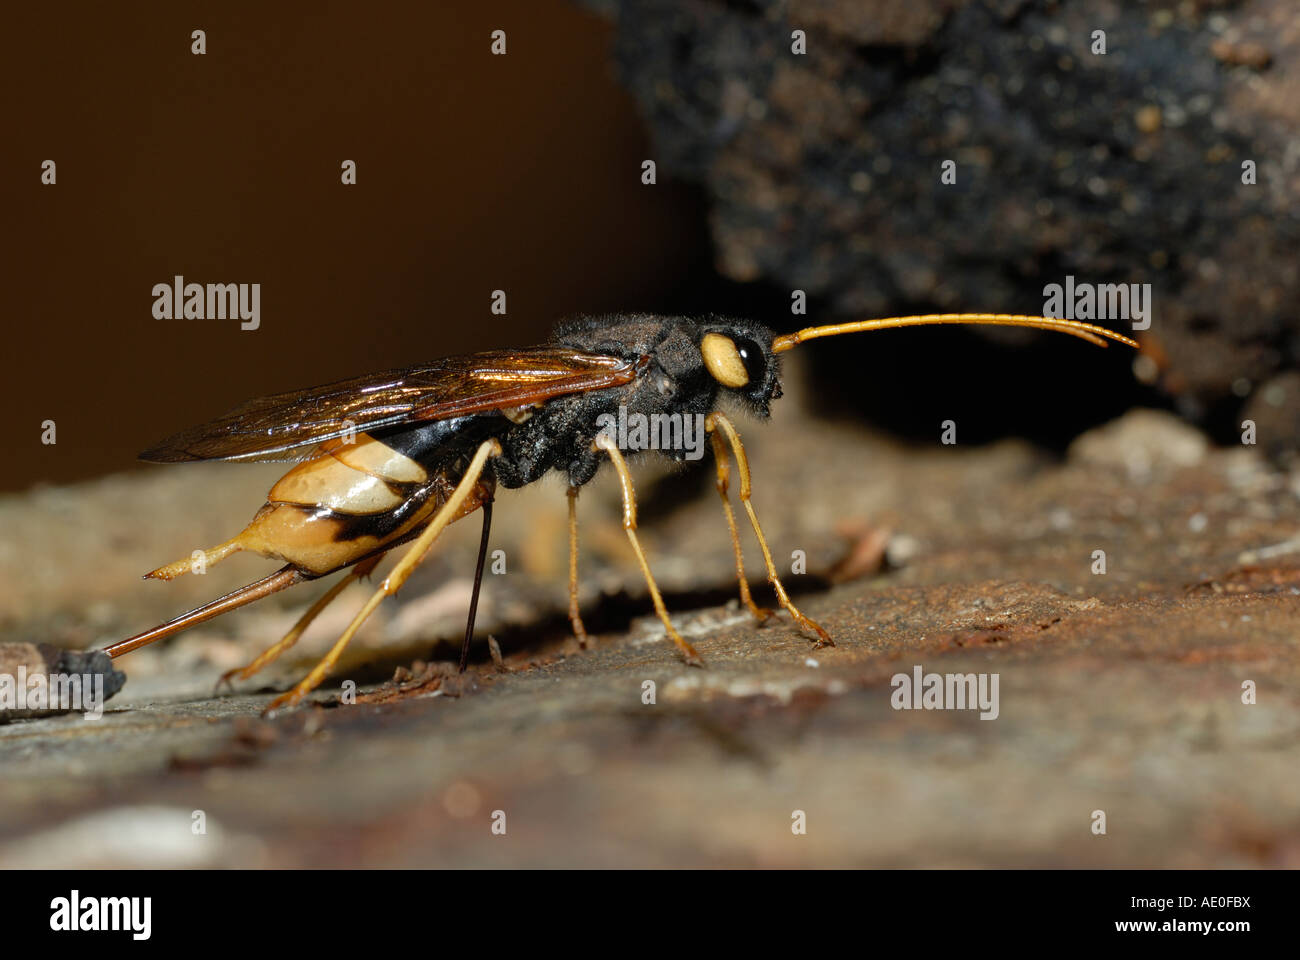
(822, 170)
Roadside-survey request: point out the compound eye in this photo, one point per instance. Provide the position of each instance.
(724, 360)
(751, 355)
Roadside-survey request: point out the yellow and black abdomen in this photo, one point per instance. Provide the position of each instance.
(348, 502)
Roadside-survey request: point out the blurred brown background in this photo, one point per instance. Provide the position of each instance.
(522, 173)
(474, 172)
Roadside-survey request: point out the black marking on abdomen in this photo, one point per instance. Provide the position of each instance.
(353, 526)
(437, 443)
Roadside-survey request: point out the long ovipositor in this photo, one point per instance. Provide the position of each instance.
(395, 457)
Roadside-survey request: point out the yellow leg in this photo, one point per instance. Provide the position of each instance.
(398, 576)
(604, 442)
(724, 482)
(575, 614)
(718, 420)
(269, 655)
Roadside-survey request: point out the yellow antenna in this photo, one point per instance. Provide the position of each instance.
(1085, 331)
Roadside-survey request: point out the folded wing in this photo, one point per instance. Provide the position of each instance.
(287, 425)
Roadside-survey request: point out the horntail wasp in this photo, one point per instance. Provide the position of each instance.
(393, 458)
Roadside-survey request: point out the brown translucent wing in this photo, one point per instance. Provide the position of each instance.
(273, 428)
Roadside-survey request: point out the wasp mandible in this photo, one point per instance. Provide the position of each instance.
(393, 458)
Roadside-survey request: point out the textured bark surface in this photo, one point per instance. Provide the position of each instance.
(1119, 692)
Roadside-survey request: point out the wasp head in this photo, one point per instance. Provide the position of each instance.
(738, 355)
